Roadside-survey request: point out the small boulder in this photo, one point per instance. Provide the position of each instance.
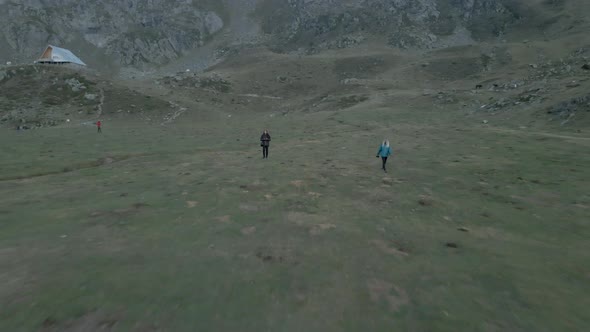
(90, 96)
(425, 200)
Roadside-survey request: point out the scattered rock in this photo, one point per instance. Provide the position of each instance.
(314, 194)
(343, 42)
(586, 66)
(271, 258)
(569, 108)
(350, 81)
(265, 258)
(463, 229)
(445, 98)
(75, 85)
(90, 96)
(352, 100)
(452, 245)
(191, 204)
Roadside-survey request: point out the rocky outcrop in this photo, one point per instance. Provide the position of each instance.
(406, 23)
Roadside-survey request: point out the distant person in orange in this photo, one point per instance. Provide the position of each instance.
(99, 125)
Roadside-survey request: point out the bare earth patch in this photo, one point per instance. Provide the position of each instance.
(297, 183)
(249, 207)
(314, 194)
(320, 228)
(303, 218)
(388, 182)
(380, 290)
(248, 230)
(223, 219)
(191, 204)
(93, 321)
(383, 246)
(123, 212)
(277, 255)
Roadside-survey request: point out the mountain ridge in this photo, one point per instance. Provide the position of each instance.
(145, 35)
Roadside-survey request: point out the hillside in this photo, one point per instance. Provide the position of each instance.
(170, 219)
(111, 35)
(45, 96)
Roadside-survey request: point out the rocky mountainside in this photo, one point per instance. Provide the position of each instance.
(423, 24)
(144, 34)
(404, 23)
(130, 32)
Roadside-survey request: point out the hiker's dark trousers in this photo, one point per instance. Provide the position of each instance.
(384, 161)
(265, 152)
(99, 130)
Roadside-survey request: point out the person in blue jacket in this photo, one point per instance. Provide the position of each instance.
(384, 152)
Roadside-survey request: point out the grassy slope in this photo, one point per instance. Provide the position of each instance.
(186, 228)
(307, 240)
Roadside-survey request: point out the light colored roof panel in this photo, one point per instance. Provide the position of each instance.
(59, 54)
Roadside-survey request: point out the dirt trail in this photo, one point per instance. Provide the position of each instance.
(533, 133)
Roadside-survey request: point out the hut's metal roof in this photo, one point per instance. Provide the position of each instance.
(61, 55)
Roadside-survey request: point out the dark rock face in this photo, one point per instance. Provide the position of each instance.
(406, 23)
(570, 107)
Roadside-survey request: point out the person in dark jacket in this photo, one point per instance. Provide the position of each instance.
(265, 143)
(384, 152)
